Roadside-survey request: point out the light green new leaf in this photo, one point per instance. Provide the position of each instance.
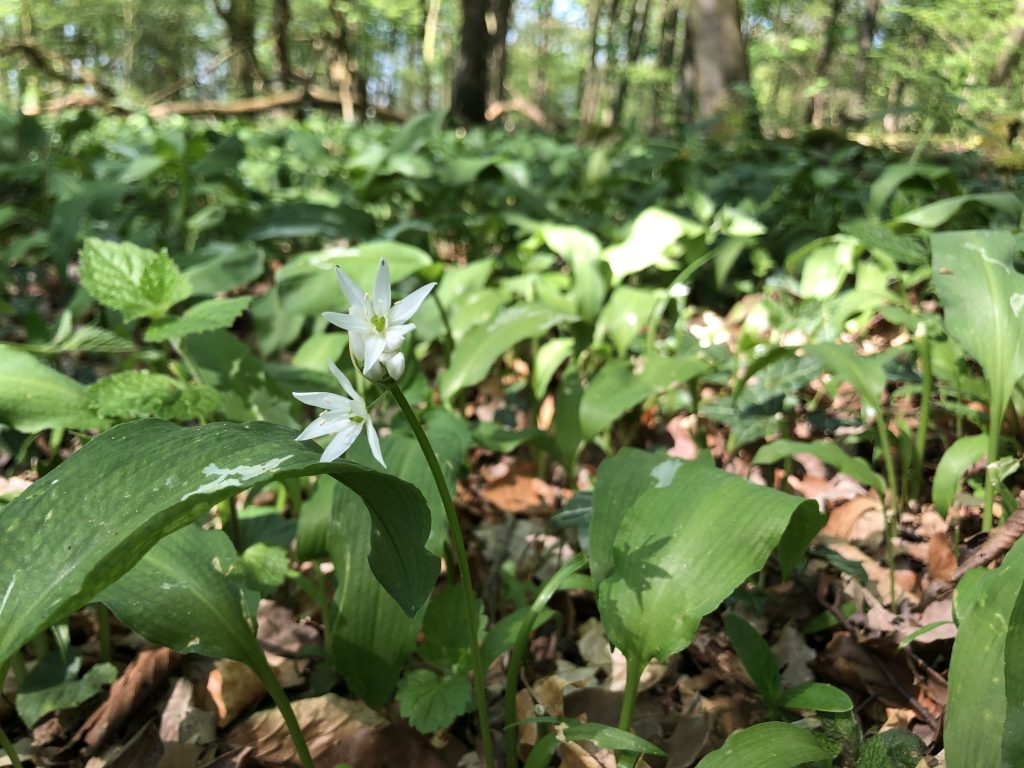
(474, 356)
(135, 281)
(209, 315)
(188, 593)
(978, 728)
(957, 459)
(829, 453)
(982, 298)
(820, 697)
(85, 524)
(650, 236)
(619, 386)
(582, 250)
(768, 745)
(138, 394)
(934, 215)
(54, 684)
(687, 536)
(430, 701)
(624, 316)
(547, 361)
(34, 396)
(756, 655)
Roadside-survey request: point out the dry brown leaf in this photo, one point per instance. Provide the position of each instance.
(859, 519)
(575, 754)
(520, 492)
(941, 558)
(233, 688)
(793, 655)
(935, 611)
(182, 721)
(146, 675)
(282, 637)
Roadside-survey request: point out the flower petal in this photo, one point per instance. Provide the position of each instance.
(375, 346)
(327, 424)
(346, 385)
(355, 296)
(374, 441)
(382, 290)
(396, 365)
(407, 307)
(342, 442)
(347, 322)
(326, 400)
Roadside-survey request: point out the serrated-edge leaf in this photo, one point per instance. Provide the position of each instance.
(135, 281)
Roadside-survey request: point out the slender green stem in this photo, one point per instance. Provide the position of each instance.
(5, 742)
(515, 662)
(258, 664)
(449, 341)
(892, 506)
(103, 620)
(469, 596)
(995, 424)
(229, 522)
(634, 668)
(924, 413)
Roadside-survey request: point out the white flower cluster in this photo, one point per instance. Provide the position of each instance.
(376, 332)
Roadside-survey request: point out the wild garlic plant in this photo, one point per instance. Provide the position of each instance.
(377, 331)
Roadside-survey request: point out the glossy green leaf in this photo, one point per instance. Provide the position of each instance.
(582, 250)
(756, 655)
(54, 684)
(164, 477)
(934, 215)
(188, 593)
(547, 361)
(34, 396)
(138, 394)
(651, 235)
(209, 315)
(958, 458)
(829, 453)
(820, 697)
(472, 359)
(620, 385)
(768, 745)
(683, 537)
(135, 281)
(627, 313)
(895, 175)
(977, 726)
(864, 374)
(982, 297)
(219, 267)
(430, 701)
(292, 220)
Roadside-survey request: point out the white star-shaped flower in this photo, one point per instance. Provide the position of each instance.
(343, 417)
(376, 329)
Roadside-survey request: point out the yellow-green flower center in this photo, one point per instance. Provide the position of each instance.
(378, 322)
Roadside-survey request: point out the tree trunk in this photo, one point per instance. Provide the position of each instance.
(344, 69)
(815, 113)
(589, 81)
(239, 17)
(497, 64)
(282, 18)
(545, 9)
(688, 75)
(469, 91)
(890, 120)
(636, 31)
(1010, 57)
(666, 57)
(720, 57)
(867, 37)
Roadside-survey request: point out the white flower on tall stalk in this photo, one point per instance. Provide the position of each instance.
(343, 417)
(376, 329)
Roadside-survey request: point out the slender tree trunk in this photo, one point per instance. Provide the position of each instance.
(128, 54)
(239, 17)
(344, 68)
(545, 9)
(469, 91)
(589, 81)
(1010, 57)
(688, 74)
(815, 113)
(720, 57)
(890, 120)
(282, 18)
(497, 64)
(636, 32)
(431, 15)
(868, 24)
(665, 58)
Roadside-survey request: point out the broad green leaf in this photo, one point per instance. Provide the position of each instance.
(219, 267)
(188, 593)
(603, 736)
(299, 219)
(93, 338)
(135, 281)
(164, 477)
(266, 567)
(138, 394)
(54, 684)
(620, 386)
(864, 374)
(768, 745)
(825, 270)
(370, 637)
(209, 315)
(890, 179)
(958, 458)
(982, 298)
(34, 396)
(828, 452)
(582, 250)
(1013, 728)
(566, 424)
(756, 655)
(445, 630)
(430, 701)
(936, 214)
(318, 349)
(473, 357)
(977, 727)
(314, 528)
(650, 237)
(894, 748)
(820, 697)
(879, 238)
(688, 535)
(626, 314)
(547, 361)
